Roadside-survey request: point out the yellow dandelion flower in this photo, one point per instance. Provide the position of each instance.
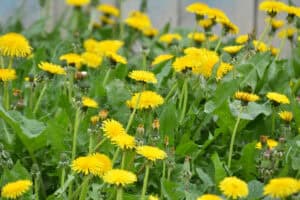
(209, 197)
(89, 103)
(143, 76)
(7, 75)
(242, 39)
(96, 164)
(181, 63)
(117, 58)
(281, 187)
(275, 23)
(198, 37)
(150, 31)
(109, 9)
(245, 96)
(106, 47)
(91, 60)
(260, 46)
(152, 197)
(217, 15)
(14, 190)
(151, 153)
(278, 98)
(168, 38)
(124, 141)
(234, 187)
(274, 51)
(119, 177)
(138, 20)
(112, 128)
(292, 10)
(77, 2)
(233, 49)
(107, 20)
(213, 38)
(90, 45)
(161, 58)
(52, 68)
(286, 116)
(230, 27)
(14, 45)
(206, 23)
(72, 59)
(147, 99)
(287, 33)
(197, 8)
(272, 7)
(270, 143)
(223, 69)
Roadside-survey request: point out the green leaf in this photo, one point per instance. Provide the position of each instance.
(251, 111)
(247, 161)
(220, 172)
(255, 190)
(14, 174)
(207, 181)
(29, 131)
(117, 93)
(167, 119)
(172, 190)
(222, 93)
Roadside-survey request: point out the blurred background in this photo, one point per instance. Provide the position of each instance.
(243, 13)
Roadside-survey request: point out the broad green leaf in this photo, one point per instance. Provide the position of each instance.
(251, 111)
(222, 93)
(14, 174)
(29, 131)
(172, 190)
(247, 161)
(255, 190)
(207, 181)
(220, 172)
(117, 93)
(168, 119)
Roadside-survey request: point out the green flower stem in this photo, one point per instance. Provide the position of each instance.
(273, 122)
(282, 44)
(10, 64)
(2, 62)
(185, 99)
(99, 144)
(169, 173)
(37, 104)
(36, 188)
(163, 177)
(123, 159)
(119, 193)
(219, 43)
(85, 188)
(62, 178)
(266, 30)
(144, 190)
(31, 95)
(91, 143)
(116, 154)
(133, 112)
(232, 141)
(121, 24)
(75, 133)
(171, 92)
(106, 77)
(6, 95)
(144, 60)
(70, 85)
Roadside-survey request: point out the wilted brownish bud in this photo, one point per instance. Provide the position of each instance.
(167, 140)
(16, 92)
(263, 140)
(20, 104)
(103, 114)
(156, 124)
(140, 129)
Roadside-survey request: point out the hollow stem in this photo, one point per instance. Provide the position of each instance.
(106, 77)
(84, 189)
(99, 144)
(37, 104)
(171, 92)
(145, 183)
(273, 122)
(232, 141)
(219, 43)
(70, 84)
(36, 188)
(133, 112)
(75, 133)
(282, 44)
(91, 142)
(6, 95)
(119, 193)
(10, 64)
(185, 99)
(123, 159)
(62, 178)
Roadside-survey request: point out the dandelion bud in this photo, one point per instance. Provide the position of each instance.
(80, 75)
(94, 119)
(140, 129)
(103, 114)
(156, 124)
